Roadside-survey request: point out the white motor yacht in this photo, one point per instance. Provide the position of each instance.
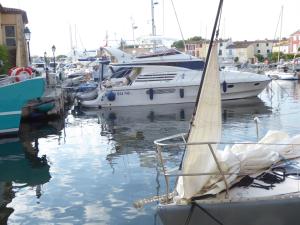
(149, 85)
(282, 73)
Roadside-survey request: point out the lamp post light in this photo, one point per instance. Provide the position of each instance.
(53, 51)
(27, 35)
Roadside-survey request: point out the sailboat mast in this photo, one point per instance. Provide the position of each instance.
(152, 19)
(281, 16)
(71, 41)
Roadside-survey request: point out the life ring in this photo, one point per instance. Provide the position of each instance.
(21, 73)
(11, 70)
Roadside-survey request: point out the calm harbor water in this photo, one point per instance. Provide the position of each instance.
(92, 166)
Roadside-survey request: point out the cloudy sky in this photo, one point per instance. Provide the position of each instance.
(51, 21)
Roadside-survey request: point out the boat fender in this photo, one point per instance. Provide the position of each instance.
(111, 96)
(182, 114)
(151, 93)
(181, 93)
(224, 86)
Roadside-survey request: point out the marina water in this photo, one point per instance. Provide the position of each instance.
(90, 167)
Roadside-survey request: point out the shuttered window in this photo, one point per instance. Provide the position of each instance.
(10, 36)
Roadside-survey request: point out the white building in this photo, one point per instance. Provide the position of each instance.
(263, 47)
(243, 51)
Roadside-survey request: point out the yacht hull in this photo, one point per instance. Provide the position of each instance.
(13, 97)
(155, 95)
(275, 212)
(283, 76)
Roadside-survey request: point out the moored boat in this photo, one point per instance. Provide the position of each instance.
(246, 183)
(14, 94)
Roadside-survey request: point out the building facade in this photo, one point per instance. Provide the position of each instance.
(264, 47)
(242, 51)
(12, 35)
(198, 49)
(294, 42)
(281, 46)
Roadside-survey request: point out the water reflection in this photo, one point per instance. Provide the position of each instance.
(136, 127)
(21, 166)
(103, 160)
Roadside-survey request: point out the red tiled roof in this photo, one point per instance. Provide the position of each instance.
(240, 44)
(14, 11)
(297, 32)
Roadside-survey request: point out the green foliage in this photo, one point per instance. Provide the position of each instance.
(130, 46)
(273, 57)
(178, 44)
(298, 49)
(291, 56)
(259, 57)
(61, 57)
(194, 39)
(5, 59)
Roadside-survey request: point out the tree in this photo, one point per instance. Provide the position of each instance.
(59, 57)
(259, 57)
(274, 56)
(4, 57)
(178, 44)
(194, 39)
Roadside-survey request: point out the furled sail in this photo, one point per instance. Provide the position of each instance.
(205, 127)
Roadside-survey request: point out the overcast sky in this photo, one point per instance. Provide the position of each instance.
(50, 21)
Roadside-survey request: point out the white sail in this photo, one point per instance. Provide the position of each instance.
(206, 127)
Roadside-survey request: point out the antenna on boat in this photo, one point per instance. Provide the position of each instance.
(280, 32)
(153, 23)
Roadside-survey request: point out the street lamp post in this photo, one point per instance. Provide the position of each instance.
(133, 28)
(46, 67)
(53, 51)
(45, 60)
(27, 34)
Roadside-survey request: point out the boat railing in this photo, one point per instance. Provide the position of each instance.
(4, 80)
(181, 141)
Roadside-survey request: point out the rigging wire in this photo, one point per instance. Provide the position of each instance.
(179, 25)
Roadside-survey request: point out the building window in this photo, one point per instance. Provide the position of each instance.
(267, 44)
(258, 51)
(10, 36)
(221, 44)
(268, 51)
(220, 52)
(257, 45)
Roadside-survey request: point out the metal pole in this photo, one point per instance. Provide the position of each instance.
(220, 169)
(29, 52)
(152, 18)
(159, 154)
(153, 24)
(54, 70)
